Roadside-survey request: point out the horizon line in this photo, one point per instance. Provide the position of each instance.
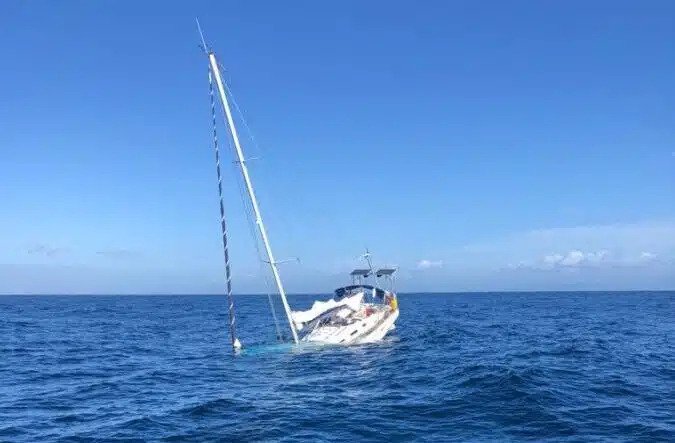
(255, 294)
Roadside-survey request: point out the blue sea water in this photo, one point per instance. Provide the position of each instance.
(459, 367)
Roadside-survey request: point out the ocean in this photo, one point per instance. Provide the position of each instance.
(595, 366)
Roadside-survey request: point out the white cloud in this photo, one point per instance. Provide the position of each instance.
(599, 244)
(45, 250)
(612, 256)
(429, 264)
(579, 259)
(571, 259)
(647, 256)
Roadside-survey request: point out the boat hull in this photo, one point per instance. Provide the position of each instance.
(365, 330)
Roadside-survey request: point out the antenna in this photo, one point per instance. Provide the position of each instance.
(366, 257)
(201, 35)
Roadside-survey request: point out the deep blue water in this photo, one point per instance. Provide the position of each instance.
(478, 367)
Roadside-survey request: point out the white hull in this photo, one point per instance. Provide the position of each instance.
(368, 329)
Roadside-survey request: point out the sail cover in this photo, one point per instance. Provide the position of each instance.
(320, 307)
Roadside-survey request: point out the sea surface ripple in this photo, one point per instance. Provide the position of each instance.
(460, 367)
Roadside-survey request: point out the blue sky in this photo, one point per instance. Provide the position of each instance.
(477, 145)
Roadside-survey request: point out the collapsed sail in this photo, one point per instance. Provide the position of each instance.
(321, 307)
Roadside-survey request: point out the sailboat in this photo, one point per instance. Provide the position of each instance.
(357, 313)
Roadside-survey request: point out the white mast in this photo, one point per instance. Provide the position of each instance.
(251, 194)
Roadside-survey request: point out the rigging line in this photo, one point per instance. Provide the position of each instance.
(223, 227)
(259, 150)
(241, 113)
(273, 309)
(261, 270)
(249, 210)
(256, 242)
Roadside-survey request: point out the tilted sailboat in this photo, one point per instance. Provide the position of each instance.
(358, 313)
